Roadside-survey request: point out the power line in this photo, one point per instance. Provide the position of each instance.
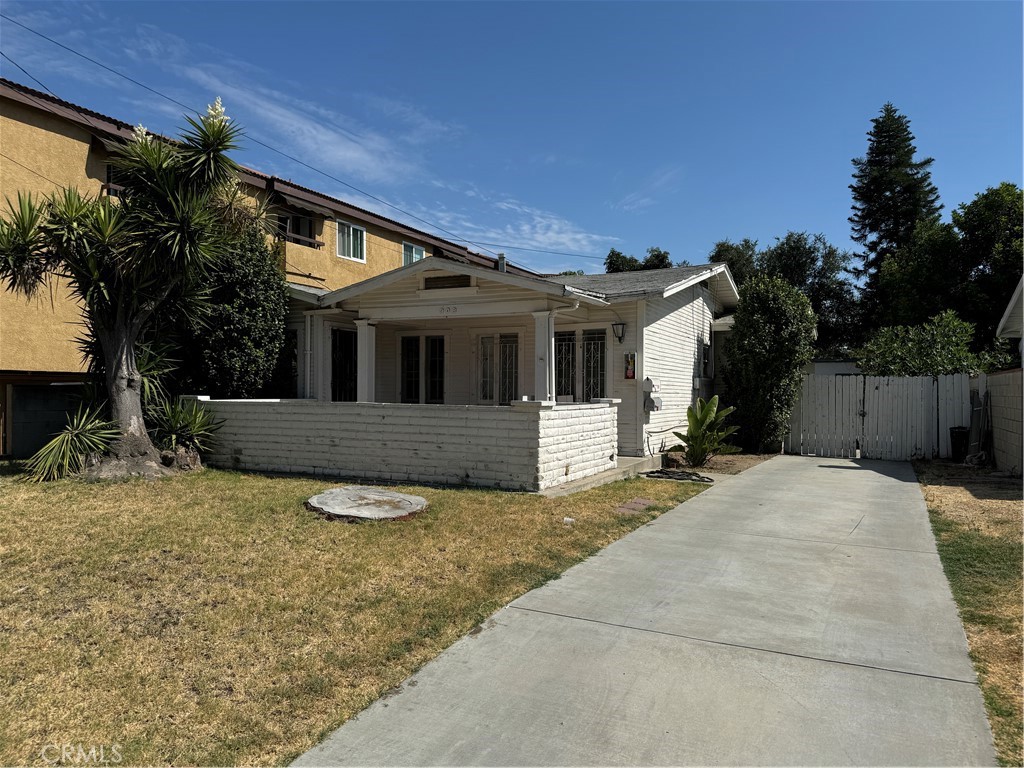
(31, 170)
(482, 246)
(540, 250)
(452, 235)
(251, 138)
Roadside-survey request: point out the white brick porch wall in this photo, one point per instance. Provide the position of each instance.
(528, 446)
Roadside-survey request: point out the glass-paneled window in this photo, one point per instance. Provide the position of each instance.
(594, 362)
(351, 242)
(565, 364)
(499, 368)
(411, 254)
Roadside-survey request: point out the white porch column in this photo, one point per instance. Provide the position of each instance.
(321, 359)
(544, 357)
(366, 360)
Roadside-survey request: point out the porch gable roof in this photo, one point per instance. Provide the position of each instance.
(538, 284)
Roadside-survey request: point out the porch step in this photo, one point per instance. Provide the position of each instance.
(626, 466)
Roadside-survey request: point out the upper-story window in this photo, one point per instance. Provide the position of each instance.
(296, 228)
(111, 187)
(351, 242)
(411, 253)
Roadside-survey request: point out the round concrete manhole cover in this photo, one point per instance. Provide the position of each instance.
(364, 502)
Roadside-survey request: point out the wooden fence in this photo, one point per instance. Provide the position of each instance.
(896, 418)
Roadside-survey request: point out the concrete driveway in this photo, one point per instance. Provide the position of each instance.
(796, 614)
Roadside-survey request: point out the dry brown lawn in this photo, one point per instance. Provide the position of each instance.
(977, 518)
(211, 619)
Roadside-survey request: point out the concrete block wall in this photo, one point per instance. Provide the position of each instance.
(528, 446)
(576, 441)
(1005, 392)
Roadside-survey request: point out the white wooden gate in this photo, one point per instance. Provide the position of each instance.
(885, 417)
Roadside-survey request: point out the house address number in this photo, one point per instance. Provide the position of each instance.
(449, 309)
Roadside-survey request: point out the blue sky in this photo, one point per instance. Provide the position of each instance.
(571, 127)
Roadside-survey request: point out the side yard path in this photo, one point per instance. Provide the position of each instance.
(978, 519)
(211, 619)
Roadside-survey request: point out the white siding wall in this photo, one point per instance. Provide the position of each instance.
(671, 358)
(528, 446)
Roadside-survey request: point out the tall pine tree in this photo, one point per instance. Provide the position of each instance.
(892, 194)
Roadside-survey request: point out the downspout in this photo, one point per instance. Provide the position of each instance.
(573, 308)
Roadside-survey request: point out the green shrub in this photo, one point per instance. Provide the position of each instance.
(235, 348)
(86, 433)
(940, 346)
(705, 433)
(188, 425)
(771, 341)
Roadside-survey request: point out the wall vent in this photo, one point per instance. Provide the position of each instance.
(446, 281)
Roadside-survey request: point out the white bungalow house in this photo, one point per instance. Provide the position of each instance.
(457, 373)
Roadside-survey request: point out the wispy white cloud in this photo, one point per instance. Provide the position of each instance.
(376, 142)
(420, 128)
(659, 182)
(40, 60)
(336, 142)
(511, 223)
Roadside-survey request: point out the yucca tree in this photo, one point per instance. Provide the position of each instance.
(127, 259)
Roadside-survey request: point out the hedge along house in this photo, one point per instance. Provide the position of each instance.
(458, 373)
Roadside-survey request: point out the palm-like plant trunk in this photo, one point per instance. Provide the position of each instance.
(124, 390)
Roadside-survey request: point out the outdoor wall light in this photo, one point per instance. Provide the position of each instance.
(619, 329)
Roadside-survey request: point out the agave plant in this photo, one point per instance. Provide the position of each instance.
(87, 432)
(175, 424)
(705, 432)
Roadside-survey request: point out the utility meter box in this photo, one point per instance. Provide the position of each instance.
(652, 403)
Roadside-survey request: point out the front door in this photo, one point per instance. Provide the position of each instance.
(343, 365)
(422, 369)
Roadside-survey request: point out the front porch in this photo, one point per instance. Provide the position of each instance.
(466, 341)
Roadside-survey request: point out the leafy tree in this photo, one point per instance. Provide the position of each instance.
(817, 269)
(236, 348)
(656, 259)
(990, 228)
(124, 260)
(739, 257)
(892, 194)
(771, 342)
(569, 272)
(924, 277)
(938, 347)
(617, 261)
(970, 266)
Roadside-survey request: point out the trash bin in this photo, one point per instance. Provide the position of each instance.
(958, 441)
